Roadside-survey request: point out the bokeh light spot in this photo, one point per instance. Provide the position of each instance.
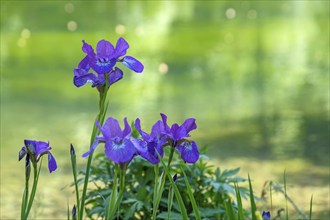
(120, 29)
(230, 13)
(68, 7)
(163, 68)
(72, 26)
(252, 14)
(26, 33)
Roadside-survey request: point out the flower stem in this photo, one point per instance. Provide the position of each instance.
(36, 173)
(159, 185)
(26, 190)
(100, 117)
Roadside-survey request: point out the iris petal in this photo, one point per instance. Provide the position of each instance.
(115, 76)
(84, 64)
(42, 147)
(96, 142)
(137, 125)
(51, 163)
(133, 64)
(189, 152)
(21, 153)
(127, 129)
(120, 152)
(121, 48)
(102, 66)
(88, 49)
(189, 124)
(82, 77)
(111, 128)
(104, 49)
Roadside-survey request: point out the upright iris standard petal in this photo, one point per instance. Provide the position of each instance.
(133, 64)
(104, 49)
(121, 48)
(189, 124)
(111, 128)
(42, 147)
(189, 151)
(51, 163)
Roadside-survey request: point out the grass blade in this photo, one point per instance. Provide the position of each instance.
(176, 190)
(191, 196)
(240, 213)
(253, 204)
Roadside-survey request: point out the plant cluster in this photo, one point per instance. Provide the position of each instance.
(140, 173)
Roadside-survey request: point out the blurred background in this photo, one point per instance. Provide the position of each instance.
(255, 75)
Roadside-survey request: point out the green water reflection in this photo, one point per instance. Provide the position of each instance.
(254, 74)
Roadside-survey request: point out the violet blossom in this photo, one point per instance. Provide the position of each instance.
(33, 150)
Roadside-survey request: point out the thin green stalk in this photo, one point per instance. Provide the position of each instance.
(158, 191)
(156, 187)
(176, 190)
(286, 198)
(74, 172)
(240, 210)
(36, 173)
(310, 208)
(100, 118)
(26, 190)
(113, 195)
(169, 203)
(191, 196)
(253, 204)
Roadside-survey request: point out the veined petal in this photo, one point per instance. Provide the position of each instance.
(133, 64)
(164, 119)
(121, 48)
(189, 124)
(102, 66)
(178, 132)
(84, 64)
(51, 163)
(157, 129)
(111, 128)
(21, 153)
(115, 76)
(120, 152)
(30, 145)
(137, 125)
(88, 49)
(42, 147)
(189, 151)
(96, 142)
(104, 49)
(81, 78)
(127, 129)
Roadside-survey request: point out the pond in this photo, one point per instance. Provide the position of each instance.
(255, 75)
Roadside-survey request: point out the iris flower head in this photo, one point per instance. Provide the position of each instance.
(176, 136)
(34, 150)
(103, 62)
(265, 215)
(152, 143)
(119, 145)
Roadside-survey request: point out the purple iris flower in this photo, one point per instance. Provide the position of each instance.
(265, 215)
(103, 62)
(119, 144)
(34, 150)
(150, 143)
(83, 76)
(177, 138)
